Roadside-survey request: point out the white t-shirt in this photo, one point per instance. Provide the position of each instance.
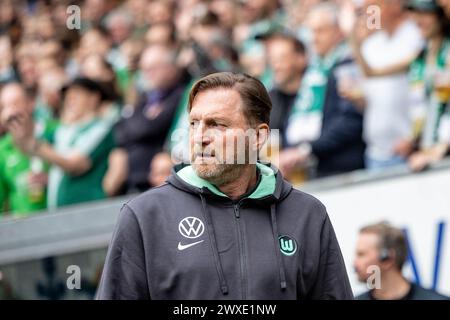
(387, 118)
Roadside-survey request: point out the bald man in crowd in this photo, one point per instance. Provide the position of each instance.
(22, 178)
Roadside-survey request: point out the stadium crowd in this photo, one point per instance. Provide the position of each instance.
(90, 110)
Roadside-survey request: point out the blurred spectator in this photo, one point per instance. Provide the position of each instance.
(98, 69)
(80, 146)
(184, 17)
(22, 179)
(26, 59)
(93, 13)
(256, 17)
(385, 56)
(384, 247)
(323, 126)
(10, 24)
(160, 169)
(287, 59)
(430, 85)
(59, 13)
(119, 25)
(44, 27)
(162, 34)
(296, 19)
(445, 4)
(160, 11)
(52, 49)
(97, 41)
(95, 67)
(211, 50)
(143, 129)
(226, 12)
(7, 72)
(49, 101)
(206, 51)
(329, 48)
(138, 11)
(128, 76)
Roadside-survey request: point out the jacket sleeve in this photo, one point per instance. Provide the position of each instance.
(124, 273)
(331, 281)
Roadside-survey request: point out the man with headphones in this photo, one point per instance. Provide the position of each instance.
(382, 250)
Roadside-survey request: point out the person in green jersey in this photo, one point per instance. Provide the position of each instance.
(80, 149)
(22, 178)
(430, 84)
(48, 99)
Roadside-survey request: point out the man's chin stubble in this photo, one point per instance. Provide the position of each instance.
(220, 175)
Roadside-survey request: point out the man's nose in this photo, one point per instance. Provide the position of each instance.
(201, 135)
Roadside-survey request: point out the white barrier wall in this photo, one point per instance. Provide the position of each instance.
(418, 203)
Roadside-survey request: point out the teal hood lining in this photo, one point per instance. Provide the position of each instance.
(265, 187)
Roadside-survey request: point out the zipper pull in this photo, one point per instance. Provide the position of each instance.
(236, 211)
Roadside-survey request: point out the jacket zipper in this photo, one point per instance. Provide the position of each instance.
(242, 257)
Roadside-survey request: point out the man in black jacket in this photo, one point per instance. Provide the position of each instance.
(287, 59)
(340, 147)
(143, 130)
(222, 228)
(323, 124)
(381, 252)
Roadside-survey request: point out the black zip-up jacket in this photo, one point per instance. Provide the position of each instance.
(187, 240)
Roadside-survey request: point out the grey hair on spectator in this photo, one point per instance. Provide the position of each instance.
(118, 14)
(329, 8)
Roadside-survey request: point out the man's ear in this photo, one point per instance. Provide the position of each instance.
(262, 135)
(389, 260)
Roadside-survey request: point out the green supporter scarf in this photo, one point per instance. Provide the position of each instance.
(305, 119)
(311, 94)
(421, 76)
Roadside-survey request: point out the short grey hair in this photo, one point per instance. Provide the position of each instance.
(119, 14)
(329, 8)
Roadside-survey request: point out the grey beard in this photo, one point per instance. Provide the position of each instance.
(222, 173)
